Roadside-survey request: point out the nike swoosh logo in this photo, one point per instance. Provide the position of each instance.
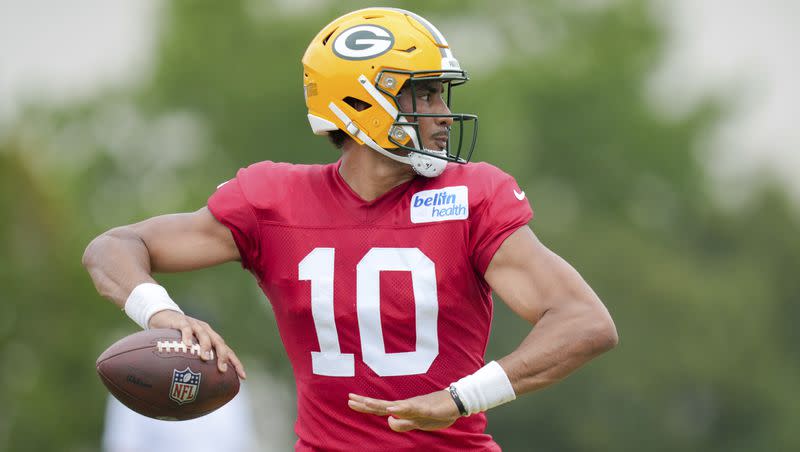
(519, 195)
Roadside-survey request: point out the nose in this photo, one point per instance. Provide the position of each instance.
(443, 109)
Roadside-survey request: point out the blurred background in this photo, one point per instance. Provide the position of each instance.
(657, 141)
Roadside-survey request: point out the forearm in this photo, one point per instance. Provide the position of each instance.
(562, 341)
(117, 261)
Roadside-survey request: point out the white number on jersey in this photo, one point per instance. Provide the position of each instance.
(317, 267)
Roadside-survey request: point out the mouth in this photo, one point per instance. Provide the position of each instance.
(440, 140)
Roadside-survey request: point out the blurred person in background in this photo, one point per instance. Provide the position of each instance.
(379, 267)
(229, 429)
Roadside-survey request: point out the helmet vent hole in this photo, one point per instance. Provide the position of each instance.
(372, 17)
(410, 49)
(325, 40)
(357, 104)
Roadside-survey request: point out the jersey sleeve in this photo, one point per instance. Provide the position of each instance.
(230, 207)
(502, 210)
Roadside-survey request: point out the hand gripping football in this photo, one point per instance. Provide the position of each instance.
(155, 374)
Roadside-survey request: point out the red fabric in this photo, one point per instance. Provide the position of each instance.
(279, 213)
(231, 208)
(499, 212)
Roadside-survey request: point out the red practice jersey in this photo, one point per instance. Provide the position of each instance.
(384, 299)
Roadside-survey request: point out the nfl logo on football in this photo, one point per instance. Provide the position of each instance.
(185, 385)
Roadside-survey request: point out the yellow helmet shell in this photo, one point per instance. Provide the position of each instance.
(365, 43)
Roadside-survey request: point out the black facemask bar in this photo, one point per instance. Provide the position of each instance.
(449, 78)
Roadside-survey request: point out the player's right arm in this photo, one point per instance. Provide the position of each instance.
(124, 257)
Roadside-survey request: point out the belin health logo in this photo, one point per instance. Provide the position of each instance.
(449, 203)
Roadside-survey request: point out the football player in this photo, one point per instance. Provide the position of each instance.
(379, 267)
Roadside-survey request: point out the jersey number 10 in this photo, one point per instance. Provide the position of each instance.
(317, 267)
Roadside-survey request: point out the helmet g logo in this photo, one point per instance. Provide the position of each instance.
(363, 42)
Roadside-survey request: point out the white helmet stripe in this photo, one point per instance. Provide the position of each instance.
(377, 96)
(424, 165)
(353, 129)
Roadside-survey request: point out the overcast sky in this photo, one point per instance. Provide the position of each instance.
(57, 51)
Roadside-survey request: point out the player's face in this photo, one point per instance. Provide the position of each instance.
(434, 132)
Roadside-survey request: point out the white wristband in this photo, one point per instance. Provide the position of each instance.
(486, 388)
(147, 299)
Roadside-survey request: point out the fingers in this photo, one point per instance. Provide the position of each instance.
(201, 332)
(175, 320)
(406, 410)
(416, 413)
(405, 425)
(378, 407)
(187, 334)
(210, 342)
(435, 406)
(402, 425)
(225, 355)
(369, 406)
(223, 351)
(425, 412)
(237, 365)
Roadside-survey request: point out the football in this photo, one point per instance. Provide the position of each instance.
(155, 374)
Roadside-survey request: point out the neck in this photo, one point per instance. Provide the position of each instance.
(371, 174)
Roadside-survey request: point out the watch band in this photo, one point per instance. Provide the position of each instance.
(457, 400)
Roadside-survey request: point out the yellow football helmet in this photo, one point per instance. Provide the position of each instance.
(368, 56)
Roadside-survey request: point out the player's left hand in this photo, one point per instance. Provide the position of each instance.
(432, 411)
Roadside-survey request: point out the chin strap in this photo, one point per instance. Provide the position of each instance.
(423, 165)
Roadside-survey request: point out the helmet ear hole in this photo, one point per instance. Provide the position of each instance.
(357, 104)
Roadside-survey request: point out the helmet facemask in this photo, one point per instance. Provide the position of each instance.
(405, 131)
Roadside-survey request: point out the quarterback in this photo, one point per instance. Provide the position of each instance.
(379, 267)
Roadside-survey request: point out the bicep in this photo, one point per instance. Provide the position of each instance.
(186, 241)
(531, 279)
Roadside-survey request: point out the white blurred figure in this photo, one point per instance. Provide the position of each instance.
(229, 429)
